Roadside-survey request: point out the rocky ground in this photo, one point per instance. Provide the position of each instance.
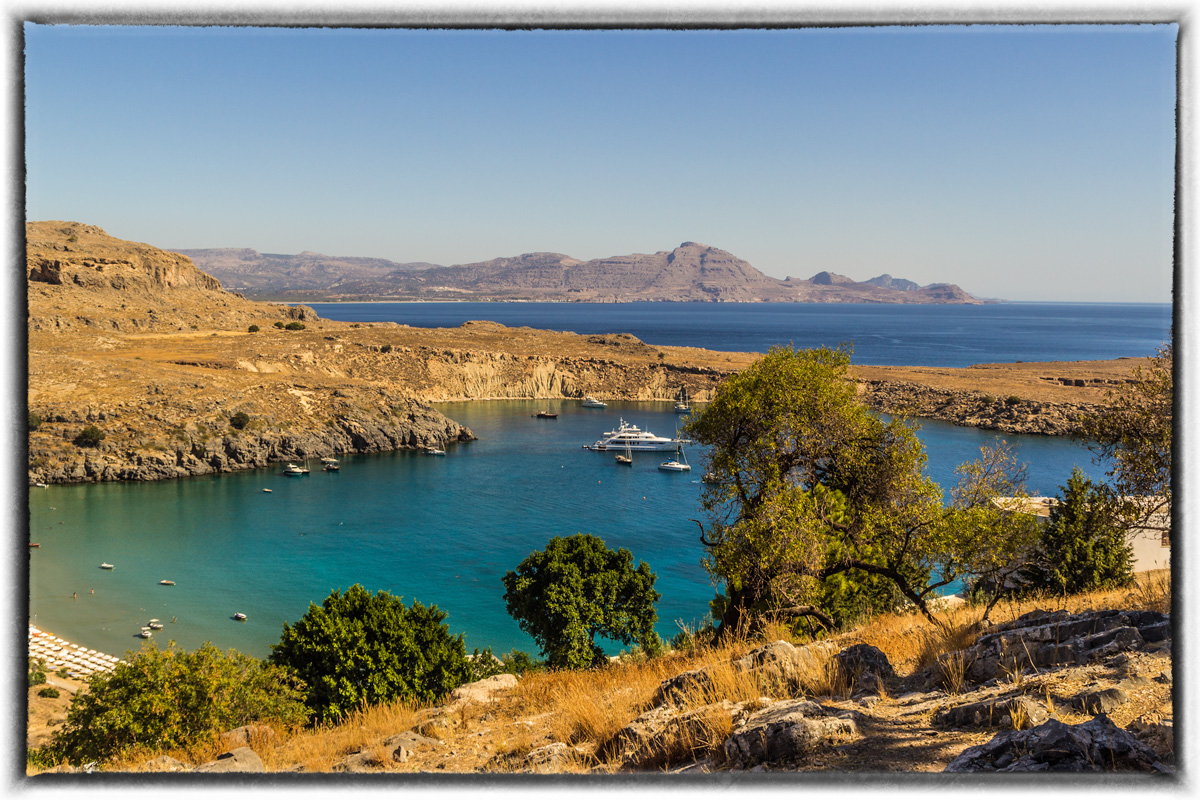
(155, 355)
(1048, 691)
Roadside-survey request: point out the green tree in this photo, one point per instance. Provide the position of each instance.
(35, 421)
(279, 324)
(357, 648)
(1132, 435)
(91, 436)
(1082, 547)
(577, 589)
(253, 329)
(810, 484)
(173, 698)
(239, 420)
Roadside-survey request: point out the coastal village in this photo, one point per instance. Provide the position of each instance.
(138, 344)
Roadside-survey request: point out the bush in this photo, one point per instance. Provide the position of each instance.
(279, 325)
(578, 589)
(91, 436)
(518, 662)
(37, 672)
(294, 326)
(253, 329)
(48, 691)
(1013, 400)
(35, 421)
(1081, 547)
(387, 348)
(358, 648)
(239, 420)
(170, 698)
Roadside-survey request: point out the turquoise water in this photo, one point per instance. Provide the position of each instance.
(439, 530)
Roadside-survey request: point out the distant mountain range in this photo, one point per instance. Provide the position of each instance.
(690, 272)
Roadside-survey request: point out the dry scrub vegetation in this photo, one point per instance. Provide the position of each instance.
(586, 710)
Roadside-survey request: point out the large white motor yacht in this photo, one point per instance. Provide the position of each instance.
(631, 437)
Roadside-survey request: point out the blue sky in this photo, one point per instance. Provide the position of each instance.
(1027, 163)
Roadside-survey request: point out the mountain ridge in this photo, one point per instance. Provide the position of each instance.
(691, 272)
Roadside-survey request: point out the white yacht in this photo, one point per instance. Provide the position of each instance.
(292, 469)
(591, 402)
(631, 437)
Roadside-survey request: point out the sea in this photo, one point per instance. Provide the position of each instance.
(444, 530)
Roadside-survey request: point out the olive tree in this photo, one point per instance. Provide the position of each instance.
(577, 589)
(1132, 435)
(357, 648)
(807, 483)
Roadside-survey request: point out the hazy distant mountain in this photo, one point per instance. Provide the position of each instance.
(690, 272)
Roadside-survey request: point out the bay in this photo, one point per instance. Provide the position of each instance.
(437, 530)
(897, 335)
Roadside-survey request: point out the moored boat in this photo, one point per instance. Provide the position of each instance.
(239, 616)
(681, 402)
(591, 402)
(146, 632)
(545, 415)
(675, 464)
(166, 583)
(106, 565)
(332, 466)
(154, 625)
(292, 469)
(434, 451)
(632, 437)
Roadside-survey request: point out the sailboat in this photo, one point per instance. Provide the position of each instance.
(675, 464)
(627, 457)
(681, 401)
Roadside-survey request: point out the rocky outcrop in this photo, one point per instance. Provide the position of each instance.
(787, 730)
(1046, 639)
(240, 759)
(975, 409)
(202, 450)
(1094, 746)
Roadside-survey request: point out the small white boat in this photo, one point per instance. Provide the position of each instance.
(146, 633)
(41, 485)
(681, 402)
(675, 465)
(239, 616)
(268, 491)
(106, 565)
(154, 625)
(434, 451)
(167, 583)
(332, 466)
(591, 402)
(329, 461)
(292, 469)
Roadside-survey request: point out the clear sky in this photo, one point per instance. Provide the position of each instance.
(1020, 162)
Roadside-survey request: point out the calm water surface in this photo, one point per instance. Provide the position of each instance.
(438, 530)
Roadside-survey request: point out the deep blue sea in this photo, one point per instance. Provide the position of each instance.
(444, 530)
(914, 335)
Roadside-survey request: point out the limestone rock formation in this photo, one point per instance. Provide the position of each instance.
(1094, 746)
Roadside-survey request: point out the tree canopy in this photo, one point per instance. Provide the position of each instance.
(172, 698)
(1133, 437)
(577, 589)
(1081, 547)
(808, 484)
(358, 648)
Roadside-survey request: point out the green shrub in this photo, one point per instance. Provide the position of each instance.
(91, 436)
(578, 589)
(387, 348)
(294, 326)
(48, 691)
(239, 420)
(62, 672)
(35, 421)
(1013, 400)
(171, 698)
(987, 399)
(1081, 547)
(360, 648)
(253, 329)
(37, 672)
(279, 325)
(518, 662)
